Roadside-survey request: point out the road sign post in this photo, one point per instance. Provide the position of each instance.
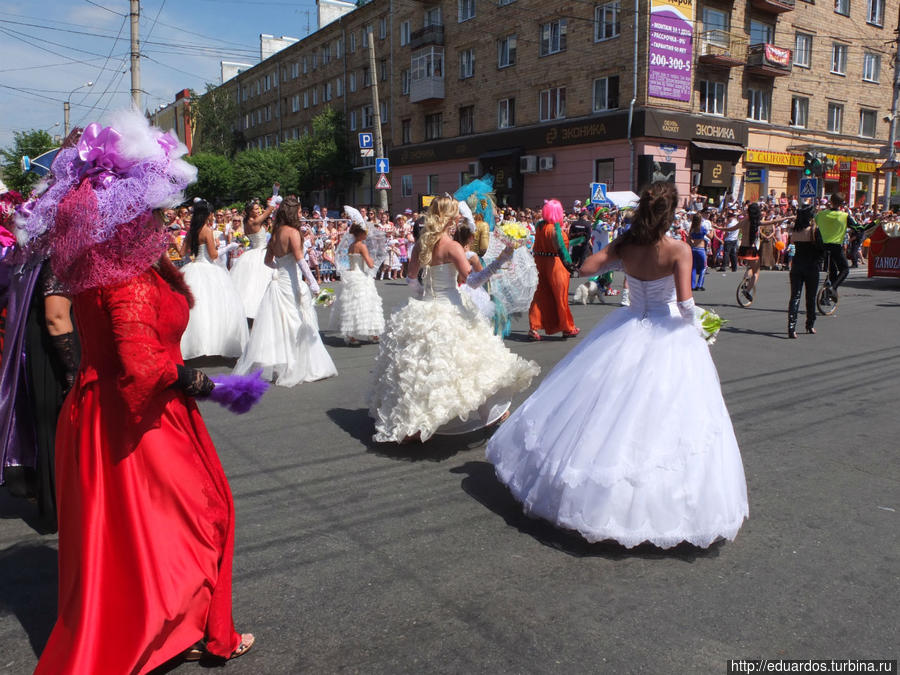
(366, 140)
(809, 188)
(382, 165)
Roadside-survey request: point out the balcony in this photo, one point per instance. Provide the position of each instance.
(426, 89)
(426, 81)
(773, 6)
(430, 35)
(721, 49)
(768, 60)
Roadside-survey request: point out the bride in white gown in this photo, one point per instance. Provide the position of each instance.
(358, 311)
(285, 341)
(440, 368)
(249, 272)
(217, 325)
(628, 437)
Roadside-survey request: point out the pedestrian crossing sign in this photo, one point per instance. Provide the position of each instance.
(809, 187)
(382, 183)
(598, 193)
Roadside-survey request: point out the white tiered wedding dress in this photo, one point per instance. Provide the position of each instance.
(217, 325)
(628, 437)
(250, 274)
(285, 341)
(440, 369)
(358, 311)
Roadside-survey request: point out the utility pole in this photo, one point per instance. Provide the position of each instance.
(892, 134)
(135, 16)
(376, 110)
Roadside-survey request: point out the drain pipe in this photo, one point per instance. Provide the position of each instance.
(634, 86)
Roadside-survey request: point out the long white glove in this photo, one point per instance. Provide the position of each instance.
(415, 286)
(686, 309)
(476, 279)
(307, 274)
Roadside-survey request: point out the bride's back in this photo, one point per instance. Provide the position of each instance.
(653, 261)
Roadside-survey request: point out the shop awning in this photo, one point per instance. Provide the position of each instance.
(496, 154)
(623, 200)
(721, 147)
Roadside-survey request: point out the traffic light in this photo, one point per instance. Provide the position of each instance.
(808, 159)
(827, 164)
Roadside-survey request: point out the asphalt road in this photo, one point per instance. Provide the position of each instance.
(353, 557)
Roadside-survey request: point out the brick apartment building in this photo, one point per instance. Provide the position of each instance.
(550, 96)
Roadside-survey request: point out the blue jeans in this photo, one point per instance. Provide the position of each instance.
(698, 271)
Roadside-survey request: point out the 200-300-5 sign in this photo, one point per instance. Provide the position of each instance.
(669, 62)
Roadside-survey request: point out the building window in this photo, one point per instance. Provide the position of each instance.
(315, 96)
(406, 185)
(835, 117)
(606, 93)
(761, 33)
(432, 184)
(404, 82)
(712, 97)
(799, 111)
(305, 65)
(803, 50)
(466, 64)
(353, 42)
(553, 104)
(867, 120)
(506, 51)
(244, 92)
(842, 7)
(295, 103)
(352, 83)
(328, 92)
(339, 48)
(506, 113)
(604, 172)
(382, 28)
(838, 58)
(267, 82)
(295, 70)
(467, 120)
(268, 113)
(315, 60)
(433, 124)
(433, 17)
(247, 121)
(500, 3)
(352, 120)
(427, 63)
(759, 103)
(367, 77)
(466, 10)
(384, 70)
(367, 116)
(305, 100)
(871, 67)
(406, 132)
(339, 87)
(875, 12)
(326, 54)
(553, 37)
(404, 33)
(384, 112)
(607, 21)
(366, 31)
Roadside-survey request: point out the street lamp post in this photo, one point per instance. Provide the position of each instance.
(66, 107)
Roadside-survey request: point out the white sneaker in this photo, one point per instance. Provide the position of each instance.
(626, 298)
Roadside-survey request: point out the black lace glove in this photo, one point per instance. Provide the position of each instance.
(66, 347)
(194, 382)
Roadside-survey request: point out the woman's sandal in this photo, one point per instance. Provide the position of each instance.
(534, 336)
(195, 652)
(246, 645)
(570, 334)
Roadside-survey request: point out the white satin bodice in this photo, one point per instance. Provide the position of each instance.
(258, 239)
(289, 276)
(652, 297)
(203, 254)
(439, 282)
(358, 263)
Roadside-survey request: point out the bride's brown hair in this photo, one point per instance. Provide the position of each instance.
(441, 215)
(653, 217)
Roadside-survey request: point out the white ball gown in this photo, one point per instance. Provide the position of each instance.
(358, 311)
(440, 369)
(250, 274)
(628, 437)
(217, 325)
(285, 341)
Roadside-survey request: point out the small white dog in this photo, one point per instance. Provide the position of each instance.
(588, 292)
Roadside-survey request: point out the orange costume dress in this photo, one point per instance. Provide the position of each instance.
(550, 307)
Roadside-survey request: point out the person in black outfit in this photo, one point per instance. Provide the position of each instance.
(807, 262)
(580, 233)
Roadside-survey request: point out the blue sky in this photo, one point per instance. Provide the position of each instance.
(182, 50)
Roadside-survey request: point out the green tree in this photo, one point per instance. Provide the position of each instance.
(31, 143)
(323, 157)
(213, 115)
(215, 177)
(256, 170)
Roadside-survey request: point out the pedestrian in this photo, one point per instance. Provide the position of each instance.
(805, 267)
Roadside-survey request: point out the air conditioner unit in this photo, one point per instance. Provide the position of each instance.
(546, 163)
(528, 164)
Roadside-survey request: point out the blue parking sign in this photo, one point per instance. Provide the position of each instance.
(366, 140)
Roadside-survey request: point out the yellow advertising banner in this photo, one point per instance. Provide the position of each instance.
(794, 159)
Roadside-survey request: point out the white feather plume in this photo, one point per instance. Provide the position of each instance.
(355, 216)
(466, 213)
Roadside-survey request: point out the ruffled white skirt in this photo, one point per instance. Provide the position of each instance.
(285, 340)
(478, 300)
(251, 277)
(358, 312)
(217, 325)
(628, 438)
(440, 369)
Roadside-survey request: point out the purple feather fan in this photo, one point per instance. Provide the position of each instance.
(238, 393)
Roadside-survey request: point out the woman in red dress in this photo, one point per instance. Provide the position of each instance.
(550, 306)
(146, 518)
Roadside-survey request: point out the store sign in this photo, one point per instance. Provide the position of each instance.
(716, 173)
(847, 182)
(754, 175)
(671, 49)
(663, 124)
(794, 159)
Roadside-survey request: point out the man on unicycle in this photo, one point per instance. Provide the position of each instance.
(832, 224)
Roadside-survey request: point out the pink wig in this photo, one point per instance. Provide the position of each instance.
(552, 211)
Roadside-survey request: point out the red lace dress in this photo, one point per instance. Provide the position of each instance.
(146, 519)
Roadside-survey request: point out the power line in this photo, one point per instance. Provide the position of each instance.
(97, 4)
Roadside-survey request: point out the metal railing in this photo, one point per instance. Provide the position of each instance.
(430, 35)
(722, 43)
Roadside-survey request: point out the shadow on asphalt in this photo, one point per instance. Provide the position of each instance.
(211, 362)
(26, 510)
(750, 331)
(28, 580)
(359, 425)
(481, 484)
